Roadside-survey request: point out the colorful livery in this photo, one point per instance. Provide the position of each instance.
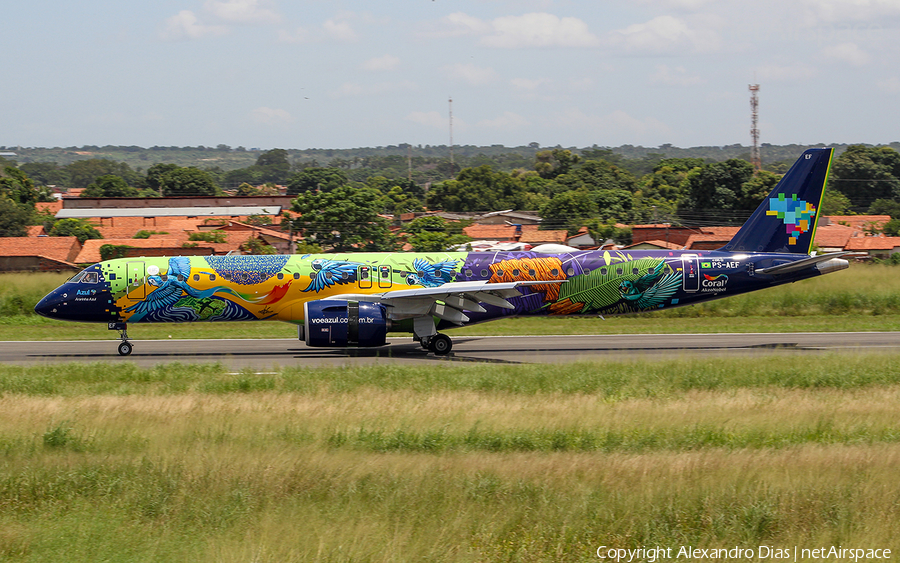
(355, 299)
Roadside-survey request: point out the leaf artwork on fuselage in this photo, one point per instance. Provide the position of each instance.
(356, 299)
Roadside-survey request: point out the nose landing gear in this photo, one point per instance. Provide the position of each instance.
(124, 347)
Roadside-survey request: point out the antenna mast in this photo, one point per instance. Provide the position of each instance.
(754, 128)
(451, 137)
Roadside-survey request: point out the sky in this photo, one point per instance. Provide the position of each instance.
(347, 73)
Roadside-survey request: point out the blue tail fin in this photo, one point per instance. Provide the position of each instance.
(786, 219)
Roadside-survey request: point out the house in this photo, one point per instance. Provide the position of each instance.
(881, 247)
(653, 245)
(38, 253)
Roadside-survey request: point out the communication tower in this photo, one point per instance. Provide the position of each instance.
(451, 137)
(754, 127)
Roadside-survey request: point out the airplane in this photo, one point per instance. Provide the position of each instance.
(356, 299)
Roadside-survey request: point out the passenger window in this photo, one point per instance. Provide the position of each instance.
(619, 271)
(651, 270)
(554, 272)
(603, 271)
(500, 273)
(635, 271)
(485, 273)
(280, 276)
(196, 277)
(516, 273)
(570, 271)
(180, 278)
(531, 273)
(296, 276)
(212, 277)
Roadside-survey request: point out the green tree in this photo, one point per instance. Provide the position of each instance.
(891, 228)
(835, 203)
(312, 179)
(477, 189)
(884, 207)
(84, 172)
(552, 163)
(344, 219)
(274, 166)
(568, 210)
(435, 234)
(865, 174)
(257, 246)
(717, 186)
(188, 181)
(17, 186)
(14, 218)
(155, 174)
(109, 185)
(754, 190)
(46, 173)
(78, 228)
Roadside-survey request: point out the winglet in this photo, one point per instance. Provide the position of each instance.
(786, 220)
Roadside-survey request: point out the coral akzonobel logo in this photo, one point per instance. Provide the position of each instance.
(714, 283)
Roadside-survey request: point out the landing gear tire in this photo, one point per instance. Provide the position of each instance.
(125, 348)
(440, 344)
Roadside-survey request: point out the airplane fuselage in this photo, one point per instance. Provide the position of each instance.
(242, 288)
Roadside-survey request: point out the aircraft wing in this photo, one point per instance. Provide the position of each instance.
(447, 301)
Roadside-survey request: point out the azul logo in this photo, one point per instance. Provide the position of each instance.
(86, 292)
(714, 283)
(798, 215)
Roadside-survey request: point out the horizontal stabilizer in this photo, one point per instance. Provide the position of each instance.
(800, 264)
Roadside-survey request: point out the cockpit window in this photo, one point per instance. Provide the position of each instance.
(89, 277)
(77, 277)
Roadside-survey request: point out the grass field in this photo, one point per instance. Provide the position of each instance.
(447, 463)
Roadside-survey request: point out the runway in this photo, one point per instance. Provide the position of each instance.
(263, 354)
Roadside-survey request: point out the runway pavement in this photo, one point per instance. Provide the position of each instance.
(262, 354)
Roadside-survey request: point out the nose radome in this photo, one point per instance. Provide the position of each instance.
(46, 306)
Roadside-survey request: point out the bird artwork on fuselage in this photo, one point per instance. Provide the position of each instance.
(355, 299)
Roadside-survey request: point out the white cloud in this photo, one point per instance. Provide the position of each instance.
(785, 73)
(457, 24)
(356, 90)
(340, 29)
(529, 84)
(299, 35)
(616, 125)
(848, 53)
(539, 30)
(840, 11)
(386, 62)
(674, 76)
(664, 35)
(507, 121)
(243, 11)
(186, 25)
(471, 74)
(269, 116)
(429, 119)
(890, 85)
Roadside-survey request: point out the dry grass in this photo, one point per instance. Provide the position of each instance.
(382, 464)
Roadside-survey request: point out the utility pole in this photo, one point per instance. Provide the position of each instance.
(755, 160)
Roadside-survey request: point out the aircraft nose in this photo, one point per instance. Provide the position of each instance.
(49, 305)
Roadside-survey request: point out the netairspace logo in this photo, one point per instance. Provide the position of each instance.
(795, 553)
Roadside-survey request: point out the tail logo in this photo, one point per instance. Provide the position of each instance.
(798, 215)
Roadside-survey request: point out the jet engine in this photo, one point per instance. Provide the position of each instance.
(334, 323)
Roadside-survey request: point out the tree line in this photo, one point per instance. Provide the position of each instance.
(342, 203)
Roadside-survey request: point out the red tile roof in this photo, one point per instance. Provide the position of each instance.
(534, 236)
(58, 248)
(51, 207)
(873, 243)
(833, 236)
(491, 232)
(658, 244)
(859, 222)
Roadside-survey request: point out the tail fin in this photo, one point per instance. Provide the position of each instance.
(786, 219)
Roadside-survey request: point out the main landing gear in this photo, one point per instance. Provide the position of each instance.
(439, 343)
(124, 347)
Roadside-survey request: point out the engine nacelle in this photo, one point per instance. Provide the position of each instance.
(337, 324)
